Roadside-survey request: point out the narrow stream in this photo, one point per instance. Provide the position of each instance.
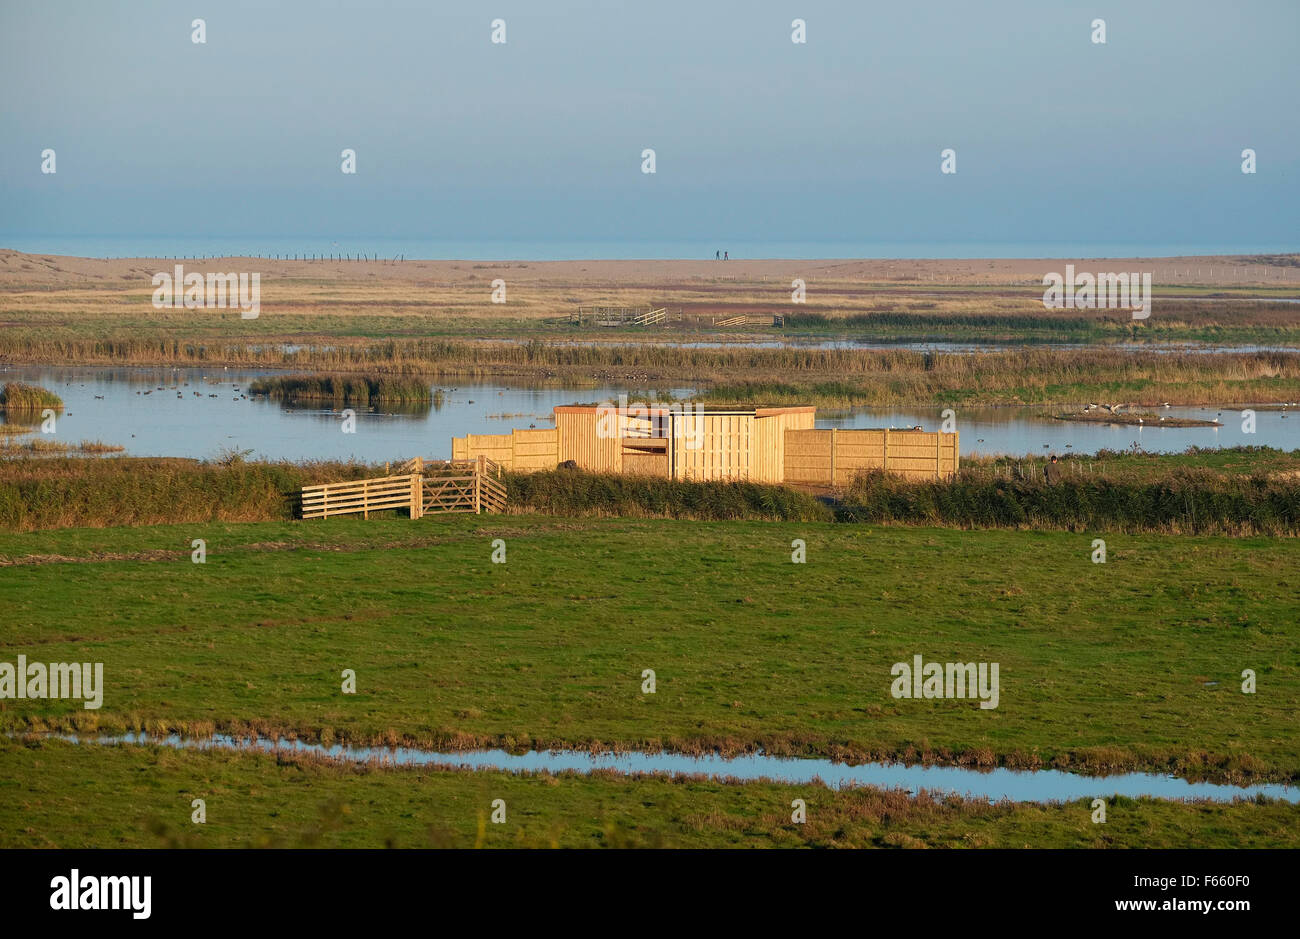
(994, 785)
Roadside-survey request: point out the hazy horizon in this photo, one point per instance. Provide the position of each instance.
(414, 249)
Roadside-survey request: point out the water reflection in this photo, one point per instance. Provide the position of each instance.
(200, 413)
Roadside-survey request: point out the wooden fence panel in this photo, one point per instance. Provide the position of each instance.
(497, 447)
(834, 457)
(361, 496)
(474, 488)
(534, 450)
(808, 456)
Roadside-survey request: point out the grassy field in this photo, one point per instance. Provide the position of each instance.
(1102, 666)
(1135, 664)
(46, 298)
(141, 797)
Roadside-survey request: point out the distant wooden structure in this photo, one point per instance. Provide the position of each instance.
(613, 316)
(426, 488)
(616, 316)
(749, 319)
(774, 445)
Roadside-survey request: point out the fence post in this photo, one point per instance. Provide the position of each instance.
(884, 458)
(417, 496)
(832, 456)
(478, 485)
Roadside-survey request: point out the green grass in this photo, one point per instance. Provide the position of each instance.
(1102, 666)
(141, 797)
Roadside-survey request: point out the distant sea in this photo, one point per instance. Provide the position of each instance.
(185, 246)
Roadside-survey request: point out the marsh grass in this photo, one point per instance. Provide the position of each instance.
(40, 445)
(1185, 501)
(566, 492)
(828, 377)
(1233, 492)
(54, 492)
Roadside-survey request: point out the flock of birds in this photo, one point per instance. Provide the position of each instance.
(197, 394)
(177, 389)
(1115, 409)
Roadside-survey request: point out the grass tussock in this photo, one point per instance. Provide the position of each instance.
(363, 390)
(17, 396)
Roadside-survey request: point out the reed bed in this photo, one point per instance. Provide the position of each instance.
(9, 447)
(829, 377)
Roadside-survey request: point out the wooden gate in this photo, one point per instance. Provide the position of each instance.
(436, 486)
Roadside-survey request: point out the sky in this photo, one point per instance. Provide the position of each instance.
(755, 137)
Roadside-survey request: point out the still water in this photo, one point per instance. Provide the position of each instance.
(994, 785)
(110, 404)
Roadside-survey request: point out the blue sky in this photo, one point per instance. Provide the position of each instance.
(756, 137)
